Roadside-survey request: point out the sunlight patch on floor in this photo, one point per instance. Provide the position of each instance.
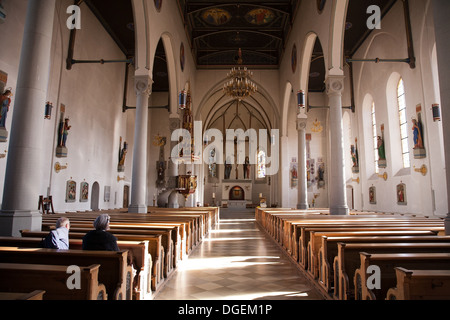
(226, 262)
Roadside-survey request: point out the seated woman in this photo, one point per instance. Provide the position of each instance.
(100, 239)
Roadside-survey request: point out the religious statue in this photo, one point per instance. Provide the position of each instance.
(228, 167)
(64, 128)
(418, 136)
(63, 131)
(320, 175)
(4, 105)
(247, 168)
(122, 154)
(381, 150)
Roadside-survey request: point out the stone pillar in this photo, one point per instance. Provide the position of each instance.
(23, 175)
(441, 12)
(285, 173)
(302, 202)
(338, 197)
(174, 123)
(143, 87)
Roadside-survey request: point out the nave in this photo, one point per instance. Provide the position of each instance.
(237, 261)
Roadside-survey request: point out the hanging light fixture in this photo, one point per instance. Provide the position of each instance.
(239, 84)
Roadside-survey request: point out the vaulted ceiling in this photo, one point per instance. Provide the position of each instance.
(216, 29)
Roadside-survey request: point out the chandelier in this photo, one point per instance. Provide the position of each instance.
(239, 84)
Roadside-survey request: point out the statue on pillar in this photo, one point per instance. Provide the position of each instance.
(228, 167)
(122, 154)
(247, 168)
(63, 131)
(4, 105)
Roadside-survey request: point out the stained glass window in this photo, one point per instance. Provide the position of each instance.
(403, 123)
(375, 137)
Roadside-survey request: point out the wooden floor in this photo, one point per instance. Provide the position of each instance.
(237, 261)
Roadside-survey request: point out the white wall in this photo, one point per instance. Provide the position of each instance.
(92, 94)
(426, 195)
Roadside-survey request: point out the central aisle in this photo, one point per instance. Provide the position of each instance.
(237, 261)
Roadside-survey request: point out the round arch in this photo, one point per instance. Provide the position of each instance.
(337, 32)
(172, 71)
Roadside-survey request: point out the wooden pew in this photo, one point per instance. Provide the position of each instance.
(170, 255)
(329, 247)
(305, 234)
(171, 236)
(293, 228)
(319, 239)
(387, 264)
(138, 255)
(155, 250)
(348, 261)
(35, 295)
(420, 285)
(114, 272)
(15, 277)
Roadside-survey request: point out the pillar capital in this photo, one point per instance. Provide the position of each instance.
(301, 123)
(143, 85)
(334, 84)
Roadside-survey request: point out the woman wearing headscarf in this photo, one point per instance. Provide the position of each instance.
(100, 238)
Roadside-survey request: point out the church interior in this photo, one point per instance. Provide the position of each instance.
(267, 137)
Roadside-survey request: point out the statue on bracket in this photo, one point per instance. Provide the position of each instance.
(63, 131)
(4, 105)
(247, 168)
(122, 154)
(228, 167)
(417, 128)
(355, 157)
(381, 149)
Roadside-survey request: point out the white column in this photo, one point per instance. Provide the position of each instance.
(441, 12)
(285, 173)
(338, 196)
(302, 202)
(143, 87)
(23, 175)
(174, 123)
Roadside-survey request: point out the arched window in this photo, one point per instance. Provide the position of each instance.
(261, 171)
(401, 101)
(375, 138)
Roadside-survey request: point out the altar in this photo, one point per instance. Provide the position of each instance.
(237, 194)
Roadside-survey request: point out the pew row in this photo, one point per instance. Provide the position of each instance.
(388, 262)
(420, 285)
(348, 260)
(114, 272)
(138, 256)
(53, 279)
(36, 295)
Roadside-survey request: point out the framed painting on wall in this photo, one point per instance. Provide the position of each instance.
(71, 191)
(84, 192)
(401, 194)
(372, 195)
(107, 193)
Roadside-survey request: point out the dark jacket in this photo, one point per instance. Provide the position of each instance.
(100, 240)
